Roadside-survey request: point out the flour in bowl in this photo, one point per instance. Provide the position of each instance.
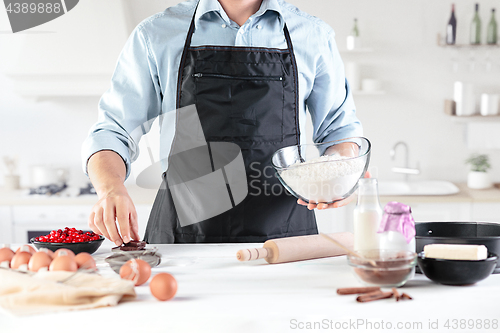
(324, 179)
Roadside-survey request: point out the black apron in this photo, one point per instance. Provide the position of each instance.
(247, 96)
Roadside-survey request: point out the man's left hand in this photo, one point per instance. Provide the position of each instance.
(335, 204)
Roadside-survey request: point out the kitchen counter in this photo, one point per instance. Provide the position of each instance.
(21, 197)
(219, 294)
(464, 195)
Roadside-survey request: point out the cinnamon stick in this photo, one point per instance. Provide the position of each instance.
(357, 290)
(373, 296)
(396, 294)
(406, 296)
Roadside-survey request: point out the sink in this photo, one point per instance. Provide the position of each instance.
(424, 187)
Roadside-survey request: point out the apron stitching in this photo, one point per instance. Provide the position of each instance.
(295, 79)
(237, 49)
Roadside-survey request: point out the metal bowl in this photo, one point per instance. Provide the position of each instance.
(322, 172)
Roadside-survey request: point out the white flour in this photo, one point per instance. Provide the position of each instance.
(326, 181)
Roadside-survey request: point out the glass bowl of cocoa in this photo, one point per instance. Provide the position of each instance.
(383, 268)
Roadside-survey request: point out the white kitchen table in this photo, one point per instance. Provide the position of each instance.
(217, 293)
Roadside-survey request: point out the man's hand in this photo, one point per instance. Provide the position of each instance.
(107, 171)
(115, 205)
(336, 204)
(322, 206)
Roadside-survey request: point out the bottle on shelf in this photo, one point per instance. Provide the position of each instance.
(451, 28)
(355, 30)
(367, 216)
(492, 31)
(475, 28)
(353, 41)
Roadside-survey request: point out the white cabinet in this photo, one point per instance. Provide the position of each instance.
(441, 211)
(5, 225)
(76, 59)
(486, 212)
(335, 219)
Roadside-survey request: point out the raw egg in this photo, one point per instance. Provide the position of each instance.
(163, 286)
(63, 262)
(68, 252)
(39, 260)
(6, 254)
(27, 248)
(19, 259)
(136, 270)
(85, 261)
(49, 252)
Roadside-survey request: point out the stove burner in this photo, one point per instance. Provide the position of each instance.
(87, 190)
(48, 189)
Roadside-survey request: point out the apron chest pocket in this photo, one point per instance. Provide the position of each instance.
(240, 108)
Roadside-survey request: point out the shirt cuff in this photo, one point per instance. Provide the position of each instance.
(349, 131)
(103, 140)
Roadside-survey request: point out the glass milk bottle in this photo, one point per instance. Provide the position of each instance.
(367, 216)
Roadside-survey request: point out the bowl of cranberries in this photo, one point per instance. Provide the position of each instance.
(69, 238)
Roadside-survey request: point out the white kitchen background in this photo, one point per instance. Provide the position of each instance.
(416, 74)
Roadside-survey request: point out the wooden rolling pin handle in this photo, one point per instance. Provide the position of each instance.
(252, 254)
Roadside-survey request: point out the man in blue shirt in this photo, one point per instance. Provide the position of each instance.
(242, 41)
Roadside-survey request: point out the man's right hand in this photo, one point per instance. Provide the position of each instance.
(107, 172)
(115, 205)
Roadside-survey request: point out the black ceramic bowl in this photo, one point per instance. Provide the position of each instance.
(457, 272)
(89, 247)
(480, 233)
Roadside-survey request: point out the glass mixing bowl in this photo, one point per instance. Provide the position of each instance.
(393, 268)
(323, 172)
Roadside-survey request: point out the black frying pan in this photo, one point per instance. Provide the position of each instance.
(480, 233)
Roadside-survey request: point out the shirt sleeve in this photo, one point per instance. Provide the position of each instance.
(330, 102)
(133, 99)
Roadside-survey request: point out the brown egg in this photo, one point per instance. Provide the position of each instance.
(163, 286)
(85, 261)
(21, 258)
(63, 262)
(68, 252)
(39, 260)
(26, 247)
(49, 252)
(136, 270)
(6, 254)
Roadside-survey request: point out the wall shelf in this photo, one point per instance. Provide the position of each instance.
(475, 118)
(470, 46)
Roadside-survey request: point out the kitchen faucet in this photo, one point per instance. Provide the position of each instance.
(406, 170)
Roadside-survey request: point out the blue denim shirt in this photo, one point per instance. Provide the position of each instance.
(144, 82)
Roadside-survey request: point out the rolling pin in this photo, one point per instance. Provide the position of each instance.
(298, 248)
